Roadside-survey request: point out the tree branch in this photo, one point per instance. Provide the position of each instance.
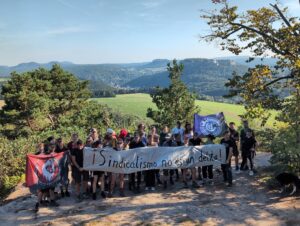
(283, 17)
(276, 80)
(234, 31)
(266, 36)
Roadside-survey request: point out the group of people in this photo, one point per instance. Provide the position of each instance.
(87, 183)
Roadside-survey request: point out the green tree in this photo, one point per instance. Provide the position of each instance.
(175, 102)
(35, 101)
(267, 31)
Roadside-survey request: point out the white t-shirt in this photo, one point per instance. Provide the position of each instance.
(177, 130)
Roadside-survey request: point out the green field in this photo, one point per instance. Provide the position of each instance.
(137, 104)
(3, 79)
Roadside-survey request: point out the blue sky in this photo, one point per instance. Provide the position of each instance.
(108, 31)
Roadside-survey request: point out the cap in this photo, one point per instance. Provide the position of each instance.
(109, 130)
(123, 133)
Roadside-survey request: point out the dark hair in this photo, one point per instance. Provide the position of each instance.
(50, 138)
(79, 142)
(231, 123)
(210, 136)
(226, 132)
(96, 143)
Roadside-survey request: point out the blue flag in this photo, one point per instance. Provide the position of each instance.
(210, 125)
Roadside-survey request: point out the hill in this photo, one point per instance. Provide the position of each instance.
(137, 104)
(203, 76)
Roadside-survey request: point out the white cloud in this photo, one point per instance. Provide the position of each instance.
(150, 4)
(67, 30)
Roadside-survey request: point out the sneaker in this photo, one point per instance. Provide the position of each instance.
(147, 188)
(103, 195)
(54, 203)
(67, 194)
(110, 195)
(152, 188)
(94, 196)
(122, 194)
(229, 185)
(36, 208)
(195, 185)
(185, 184)
(85, 195)
(251, 173)
(211, 182)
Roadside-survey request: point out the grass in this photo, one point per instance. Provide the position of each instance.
(3, 79)
(137, 104)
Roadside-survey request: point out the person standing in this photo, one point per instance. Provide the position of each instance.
(178, 130)
(48, 190)
(249, 150)
(242, 141)
(193, 169)
(196, 141)
(60, 147)
(234, 136)
(120, 147)
(169, 142)
(150, 174)
(142, 133)
(136, 143)
(97, 175)
(80, 175)
(163, 134)
(226, 167)
(207, 171)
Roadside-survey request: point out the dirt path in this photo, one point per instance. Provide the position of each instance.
(248, 202)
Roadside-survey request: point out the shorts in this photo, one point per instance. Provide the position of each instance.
(235, 152)
(45, 190)
(80, 176)
(98, 173)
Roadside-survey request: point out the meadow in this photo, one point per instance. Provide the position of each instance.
(137, 104)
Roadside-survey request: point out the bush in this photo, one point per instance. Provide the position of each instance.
(286, 150)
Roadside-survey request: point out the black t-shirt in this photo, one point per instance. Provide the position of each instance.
(234, 136)
(179, 143)
(78, 153)
(228, 144)
(169, 143)
(195, 142)
(59, 149)
(134, 144)
(162, 138)
(249, 142)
